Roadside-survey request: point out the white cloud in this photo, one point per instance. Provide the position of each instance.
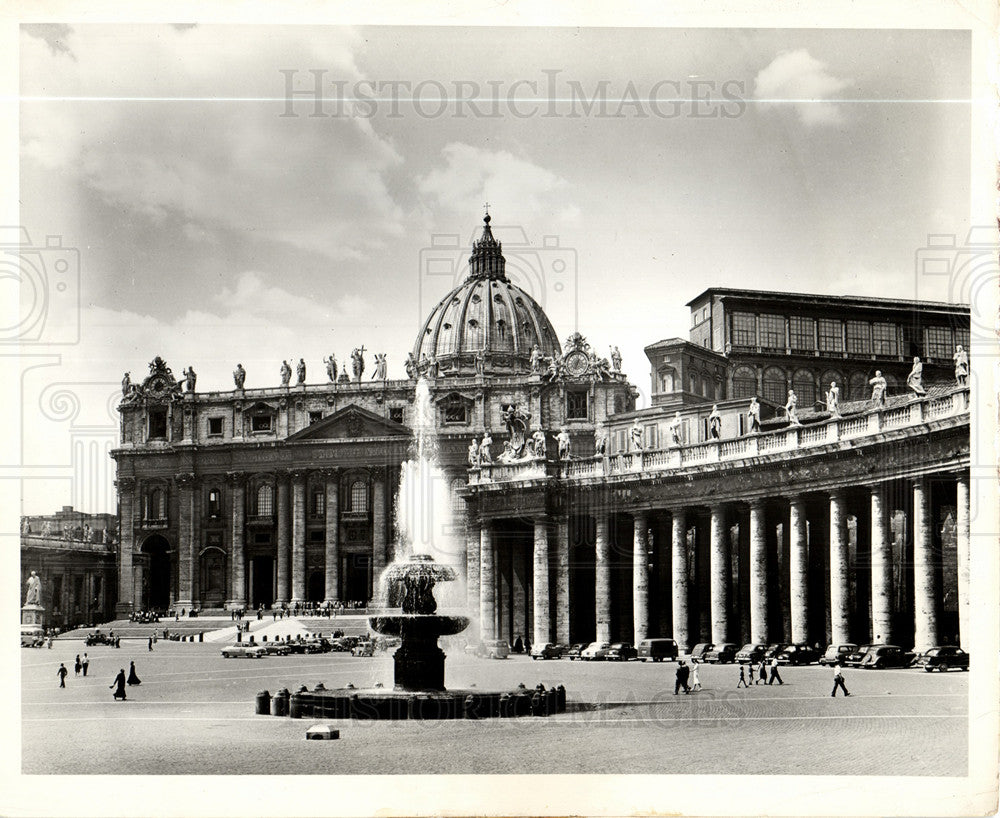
(797, 75)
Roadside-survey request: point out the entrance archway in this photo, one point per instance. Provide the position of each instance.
(262, 582)
(356, 577)
(212, 577)
(156, 585)
(316, 590)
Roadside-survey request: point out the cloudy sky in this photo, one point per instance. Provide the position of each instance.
(626, 171)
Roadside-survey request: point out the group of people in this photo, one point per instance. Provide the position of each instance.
(118, 685)
(686, 678)
(761, 668)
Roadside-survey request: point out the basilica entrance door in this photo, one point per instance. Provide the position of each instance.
(156, 582)
(355, 577)
(262, 583)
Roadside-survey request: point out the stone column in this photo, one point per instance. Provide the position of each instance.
(520, 601)
(284, 546)
(379, 540)
(664, 619)
(487, 583)
(719, 574)
(881, 570)
(185, 539)
(541, 580)
(679, 578)
(562, 582)
(962, 543)
(925, 634)
(798, 562)
(237, 590)
(602, 580)
(839, 612)
(473, 537)
(298, 537)
(640, 576)
(758, 573)
(331, 557)
(126, 546)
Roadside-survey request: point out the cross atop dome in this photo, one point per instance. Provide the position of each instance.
(487, 259)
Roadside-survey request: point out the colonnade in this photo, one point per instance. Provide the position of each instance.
(794, 572)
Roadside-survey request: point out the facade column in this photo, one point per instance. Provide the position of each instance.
(283, 545)
(839, 596)
(602, 580)
(881, 570)
(126, 546)
(925, 634)
(379, 540)
(487, 583)
(640, 576)
(679, 579)
(562, 582)
(758, 573)
(473, 537)
(798, 563)
(331, 557)
(298, 537)
(963, 545)
(541, 581)
(237, 591)
(661, 544)
(185, 539)
(719, 574)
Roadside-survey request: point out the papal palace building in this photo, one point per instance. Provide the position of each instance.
(835, 525)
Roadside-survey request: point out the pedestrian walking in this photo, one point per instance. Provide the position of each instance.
(62, 673)
(77, 666)
(761, 672)
(750, 670)
(683, 672)
(85, 664)
(132, 678)
(774, 672)
(119, 685)
(150, 644)
(743, 677)
(50, 641)
(695, 681)
(838, 681)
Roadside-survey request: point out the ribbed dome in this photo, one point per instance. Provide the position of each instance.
(486, 314)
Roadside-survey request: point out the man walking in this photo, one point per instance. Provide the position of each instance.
(62, 673)
(695, 681)
(85, 664)
(774, 672)
(119, 685)
(683, 672)
(838, 681)
(150, 644)
(743, 677)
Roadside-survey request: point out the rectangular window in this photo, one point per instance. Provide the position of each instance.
(621, 444)
(885, 339)
(744, 329)
(158, 424)
(651, 437)
(260, 423)
(396, 414)
(802, 333)
(318, 502)
(772, 331)
(576, 405)
(262, 538)
(831, 335)
(317, 536)
(315, 417)
(937, 343)
(962, 337)
(215, 427)
(859, 340)
(456, 410)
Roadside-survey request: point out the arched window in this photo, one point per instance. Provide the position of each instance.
(359, 496)
(666, 383)
(775, 389)
(858, 386)
(265, 501)
(214, 502)
(457, 503)
(156, 505)
(832, 376)
(805, 388)
(744, 383)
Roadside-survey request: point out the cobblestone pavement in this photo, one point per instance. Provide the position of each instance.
(194, 714)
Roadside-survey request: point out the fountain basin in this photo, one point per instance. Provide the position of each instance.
(418, 626)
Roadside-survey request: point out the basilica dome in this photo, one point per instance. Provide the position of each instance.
(487, 323)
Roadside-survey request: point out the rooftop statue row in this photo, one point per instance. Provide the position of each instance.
(78, 533)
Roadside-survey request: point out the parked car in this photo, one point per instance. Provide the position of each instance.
(363, 649)
(32, 637)
(798, 655)
(882, 656)
(98, 638)
(942, 658)
(856, 656)
(495, 649)
(722, 654)
(595, 651)
(275, 648)
(835, 653)
(773, 650)
(620, 652)
(547, 650)
(698, 651)
(575, 650)
(657, 649)
(243, 650)
(751, 654)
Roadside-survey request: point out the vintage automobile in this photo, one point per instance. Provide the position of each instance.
(494, 649)
(722, 654)
(751, 654)
(698, 651)
(547, 650)
(344, 643)
(595, 651)
(657, 649)
(620, 652)
(244, 650)
(798, 655)
(943, 658)
(575, 650)
(773, 650)
(883, 656)
(835, 653)
(98, 638)
(275, 648)
(366, 648)
(856, 656)
(32, 636)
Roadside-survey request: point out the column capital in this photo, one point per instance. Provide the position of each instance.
(237, 478)
(299, 476)
(125, 485)
(330, 473)
(186, 480)
(377, 473)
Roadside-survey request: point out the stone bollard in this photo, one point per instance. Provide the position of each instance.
(469, 707)
(506, 706)
(550, 701)
(263, 703)
(561, 699)
(296, 706)
(536, 704)
(279, 704)
(201, 636)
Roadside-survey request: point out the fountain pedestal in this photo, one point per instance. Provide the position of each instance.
(419, 665)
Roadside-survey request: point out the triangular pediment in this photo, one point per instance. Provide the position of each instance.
(351, 423)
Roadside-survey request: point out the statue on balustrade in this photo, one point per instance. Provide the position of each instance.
(126, 384)
(474, 454)
(878, 388)
(753, 415)
(25, 525)
(915, 379)
(635, 433)
(190, 379)
(715, 423)
(410, 366)
(485, 455)
(239, 376)
(675, 428)
(600, 442)
(380, 367)
(790, 406)
(616, 359)
(300, 371)
(961, 358)
(286, 373)
(562, 442)
(331, 367)
(34, 594)
(358, 362)
(538, 447)
(480, 360)
(833, 399)
(537, 360)
(47, 529)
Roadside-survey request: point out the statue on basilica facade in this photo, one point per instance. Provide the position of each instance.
(485, 455)
(25, 525)
(34, 593)
(675, 429)
(915, 379)
(380, 367)
(616, 359)
(715, 423)
(961, 358)
(538, 445)
(410, 366)
(600, 442)
(753, 415)
(481, 362)
(635, 433)
(563, 443)
(790, 406)
(474, 453)
(190, 379)
(878, 386)
(126, 384)
(286, 373)
(300, 371)
(358, 362)
(331, 367)
(536, 361)
(239, 376)
(833, 399)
